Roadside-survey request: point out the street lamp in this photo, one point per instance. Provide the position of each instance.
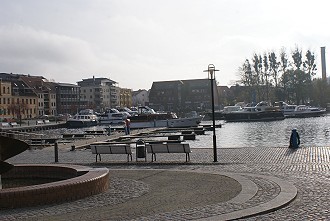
(211, 75)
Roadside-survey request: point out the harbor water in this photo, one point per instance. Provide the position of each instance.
(314, 131)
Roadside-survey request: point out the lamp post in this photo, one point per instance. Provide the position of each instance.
(211, 75)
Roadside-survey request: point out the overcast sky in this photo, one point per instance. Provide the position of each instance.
(136, 42)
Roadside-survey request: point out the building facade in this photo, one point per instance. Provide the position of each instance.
(98, 93)
(67, 98)
(17, 99)
(46, 94)
(140, 98)
(125, 97)
(182, 96)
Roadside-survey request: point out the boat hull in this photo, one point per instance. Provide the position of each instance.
(253, 116)
(305, 114)
(172, 123)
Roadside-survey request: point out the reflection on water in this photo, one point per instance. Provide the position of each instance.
(313, 132)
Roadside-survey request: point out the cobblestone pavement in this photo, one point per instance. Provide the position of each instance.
(306, 168)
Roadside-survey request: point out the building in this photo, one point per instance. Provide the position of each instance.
(99, 93)
(182, 96)
(17, 99)
(46, 94)
(140, 98)
(67, 98)
(125, 97)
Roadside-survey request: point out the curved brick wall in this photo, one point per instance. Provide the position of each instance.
(79, 182)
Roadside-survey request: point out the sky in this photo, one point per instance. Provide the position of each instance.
(138, 42)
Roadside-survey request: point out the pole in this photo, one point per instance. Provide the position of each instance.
(56, 151)
(213, 119)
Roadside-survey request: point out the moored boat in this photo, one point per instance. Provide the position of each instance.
(148, 118)
(300, 111)
(261, 112)
(113, 116)
(85, 118)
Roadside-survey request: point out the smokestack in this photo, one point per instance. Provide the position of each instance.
(324, 72)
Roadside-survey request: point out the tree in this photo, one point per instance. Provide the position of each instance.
(257, 76)
(274, 67)
(247, 79)
(266, 76)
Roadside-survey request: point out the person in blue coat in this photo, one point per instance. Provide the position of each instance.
(294, 139)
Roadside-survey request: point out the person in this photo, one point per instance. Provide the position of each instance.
(294, 139)
(127, 126)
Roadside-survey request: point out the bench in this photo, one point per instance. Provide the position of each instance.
(99, 149)
(154, 148)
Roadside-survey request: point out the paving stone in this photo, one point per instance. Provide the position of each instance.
(306, 168)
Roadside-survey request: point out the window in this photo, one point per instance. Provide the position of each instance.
(4, 90)
(4, 100)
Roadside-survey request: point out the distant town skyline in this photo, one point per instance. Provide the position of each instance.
(138, 42)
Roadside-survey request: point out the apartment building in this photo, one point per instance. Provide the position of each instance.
(99, 93)
(46, 94)
(67, 98)
(17, 99)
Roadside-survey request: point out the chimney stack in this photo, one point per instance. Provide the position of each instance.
(324, 72)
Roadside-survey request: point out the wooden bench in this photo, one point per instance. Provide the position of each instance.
(154, 148)
(99, 149)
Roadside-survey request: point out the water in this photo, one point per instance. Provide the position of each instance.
(313, 131)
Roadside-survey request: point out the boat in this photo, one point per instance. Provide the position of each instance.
(113, 116)
(126, 110)
(300, 111)
(85, 118)
(260, 112)
(148, 118)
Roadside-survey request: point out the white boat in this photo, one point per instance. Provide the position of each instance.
(305, 111)
(85, 118)
(148, 118)
(113, 116)
(300, 111)
(127, 110)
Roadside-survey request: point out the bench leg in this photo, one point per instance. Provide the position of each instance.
(129, 156)
(187, 157)
(99, 157)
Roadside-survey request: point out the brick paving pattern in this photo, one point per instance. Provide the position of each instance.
(306, 168)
